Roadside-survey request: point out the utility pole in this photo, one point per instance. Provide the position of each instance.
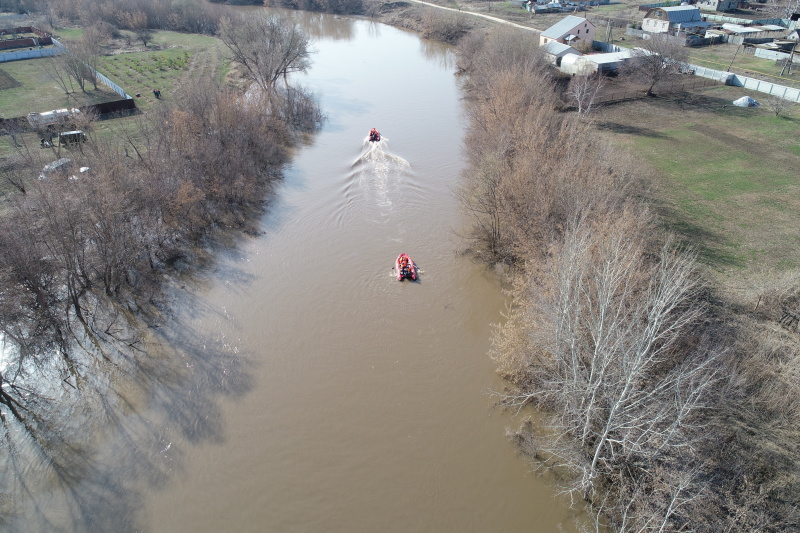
(789, 61)
(734, 55)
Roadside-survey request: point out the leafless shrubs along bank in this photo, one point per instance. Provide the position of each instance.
(139, 16)
(646, 385)
(87, 252)
(444, 26)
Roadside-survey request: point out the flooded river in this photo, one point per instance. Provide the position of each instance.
(355, 403)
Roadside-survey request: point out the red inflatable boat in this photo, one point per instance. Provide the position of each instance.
(406, 269)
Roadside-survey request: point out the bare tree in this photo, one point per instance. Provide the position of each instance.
(658, 58)
(779, 105)
(72, 65)
(269, 47)
(583, 91)
(605, 350)
(89, 49)
(56, 70)
(445, 26)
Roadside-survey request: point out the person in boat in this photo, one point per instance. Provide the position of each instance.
(374, 135)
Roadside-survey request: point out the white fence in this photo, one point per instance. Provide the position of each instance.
(774, 55)
(58, 49)
(28, 54)
(114, 87)
(787, 93)
(728, 78)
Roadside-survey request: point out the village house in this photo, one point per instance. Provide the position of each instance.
(571, 30)
(717, 5)
(673, 20)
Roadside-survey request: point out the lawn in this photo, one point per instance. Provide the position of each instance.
(170, 61)
(26, 87)
(726, 177)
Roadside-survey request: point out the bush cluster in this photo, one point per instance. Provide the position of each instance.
(658, 406)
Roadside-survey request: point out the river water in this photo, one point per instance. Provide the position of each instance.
(333, 397)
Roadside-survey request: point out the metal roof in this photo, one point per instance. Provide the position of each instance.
(611, 57)
(681, 13)
(556, 49)
(564, 26)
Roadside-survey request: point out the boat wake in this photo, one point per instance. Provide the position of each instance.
(374, 151)
(379, 172)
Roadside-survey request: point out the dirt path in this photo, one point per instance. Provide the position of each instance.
(480, 15)
(203, 65)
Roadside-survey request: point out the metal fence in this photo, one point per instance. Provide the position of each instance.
(59, 48)
(781, 91)
(728, 78)
(28, 54)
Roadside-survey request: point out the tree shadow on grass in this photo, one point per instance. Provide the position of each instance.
(629, 129)
(710, 246)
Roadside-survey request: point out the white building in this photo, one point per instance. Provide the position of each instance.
(570, 30)
(674, 19)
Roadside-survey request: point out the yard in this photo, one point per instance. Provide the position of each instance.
(25, 87)
(726, 177)
(168, 62)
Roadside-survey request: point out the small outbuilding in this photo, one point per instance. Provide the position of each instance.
(717, 5)
(554, 52)
(591, 63)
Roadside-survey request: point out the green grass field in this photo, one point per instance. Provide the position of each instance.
(726, 176)
(34, 90)
(169, 61)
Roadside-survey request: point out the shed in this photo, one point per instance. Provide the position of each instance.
(591, 63)
(554, 52)
(717, 5)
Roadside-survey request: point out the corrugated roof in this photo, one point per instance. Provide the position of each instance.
(611, 57)
(736, 28)
(565, 25)
(556, 48)
(682, 13)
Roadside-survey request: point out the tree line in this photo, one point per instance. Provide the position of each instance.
(658, 402)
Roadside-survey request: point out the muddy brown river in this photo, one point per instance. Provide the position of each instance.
(361, 403)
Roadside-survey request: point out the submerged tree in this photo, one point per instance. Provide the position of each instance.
(269, 47)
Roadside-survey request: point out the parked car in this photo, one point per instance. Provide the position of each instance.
(75, 136)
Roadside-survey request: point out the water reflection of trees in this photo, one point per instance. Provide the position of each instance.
(95, 366)
(441, 53)
(87, 460)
